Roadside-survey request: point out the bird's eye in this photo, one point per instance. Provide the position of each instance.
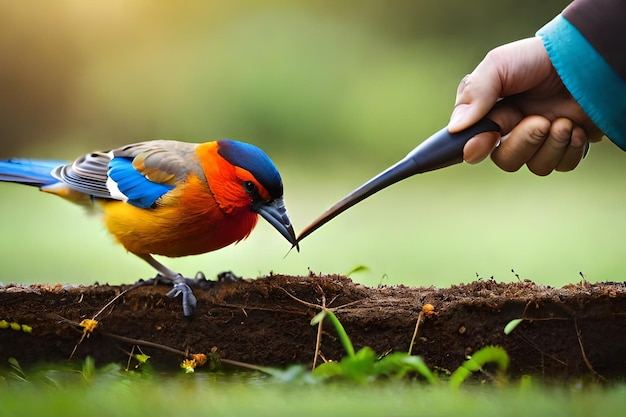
(249, 187)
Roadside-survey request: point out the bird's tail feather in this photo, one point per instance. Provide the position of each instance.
(35, 172)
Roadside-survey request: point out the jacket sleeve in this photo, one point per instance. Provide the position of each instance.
(587, 46)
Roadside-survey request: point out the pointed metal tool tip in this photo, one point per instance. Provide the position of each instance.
(440, 150)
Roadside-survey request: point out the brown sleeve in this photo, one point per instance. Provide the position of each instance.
(602, 23)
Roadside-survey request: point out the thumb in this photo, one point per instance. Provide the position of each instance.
(506, 70)
(474, 99)
(476, 95)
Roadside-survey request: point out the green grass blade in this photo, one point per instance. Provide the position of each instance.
(485, 355)
(341, 333)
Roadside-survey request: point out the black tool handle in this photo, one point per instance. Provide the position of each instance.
(444, 148)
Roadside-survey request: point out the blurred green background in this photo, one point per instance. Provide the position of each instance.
(334, 92)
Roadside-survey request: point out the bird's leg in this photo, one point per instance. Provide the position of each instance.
(179, 282)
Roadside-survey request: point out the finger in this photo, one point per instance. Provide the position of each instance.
(579, 144)
(553, 149)
(519, 146)
(480, 146)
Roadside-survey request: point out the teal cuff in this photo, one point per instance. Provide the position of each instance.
(588, 77)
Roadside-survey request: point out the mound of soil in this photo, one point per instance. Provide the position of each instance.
(572, 332)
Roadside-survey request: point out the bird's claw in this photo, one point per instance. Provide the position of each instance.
(182, 285)
(228, 276)
(189, 300)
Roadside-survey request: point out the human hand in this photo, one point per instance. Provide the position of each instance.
(542, 126)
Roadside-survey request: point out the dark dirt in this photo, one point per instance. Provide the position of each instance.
(578, 331)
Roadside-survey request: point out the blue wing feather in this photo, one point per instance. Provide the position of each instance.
(141, 192)
(35, 172)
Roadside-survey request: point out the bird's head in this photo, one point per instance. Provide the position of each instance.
(244, 177)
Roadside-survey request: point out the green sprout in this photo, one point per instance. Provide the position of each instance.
(488, 354)
(341, 332)
(358, 268)
(366, 365)
(510, 326)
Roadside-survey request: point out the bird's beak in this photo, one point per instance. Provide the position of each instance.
(440, 150)
(276, 214)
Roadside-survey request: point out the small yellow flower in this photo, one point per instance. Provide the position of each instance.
(189, 365)
(89, 325)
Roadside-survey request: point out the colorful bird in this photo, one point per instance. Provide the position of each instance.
(168, 198)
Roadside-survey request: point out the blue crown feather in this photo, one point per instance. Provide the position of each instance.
(255, 161)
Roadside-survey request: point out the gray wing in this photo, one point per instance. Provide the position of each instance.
(88, 174)
(163, 161)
